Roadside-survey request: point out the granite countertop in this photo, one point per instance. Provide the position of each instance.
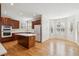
(2, 50)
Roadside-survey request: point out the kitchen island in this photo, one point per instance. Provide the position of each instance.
(26, 39)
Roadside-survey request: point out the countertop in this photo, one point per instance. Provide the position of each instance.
(2, 50)
(25, 34)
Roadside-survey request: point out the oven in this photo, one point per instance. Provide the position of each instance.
(6, 31)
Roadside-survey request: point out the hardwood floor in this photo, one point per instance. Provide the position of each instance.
(51, 47)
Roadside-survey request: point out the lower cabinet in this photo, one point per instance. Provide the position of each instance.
(6, 39)
(26, 41)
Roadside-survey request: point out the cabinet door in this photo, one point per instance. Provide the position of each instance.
(6, 39)
(10, 22)
(0, 20)
(31, 41)
(16, 24)
(5, 21)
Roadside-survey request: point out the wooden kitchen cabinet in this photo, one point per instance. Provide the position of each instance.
(0, 9)
(26, 41)
(6, 39)
(14, 23)
(31, 41)
(0, 21)
(37, 21)
(10, 22)
(4, 21)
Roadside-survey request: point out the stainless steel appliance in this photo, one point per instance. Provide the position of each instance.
(37, 30)
(6, 31)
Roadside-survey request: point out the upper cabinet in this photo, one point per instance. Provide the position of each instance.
(37, 21)
(14, 23)
(10, 22)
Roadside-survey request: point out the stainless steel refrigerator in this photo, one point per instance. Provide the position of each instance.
(37, 30)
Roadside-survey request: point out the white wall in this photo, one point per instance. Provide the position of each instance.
(46, 25)
(45, 28)
(71, 35)
(67, 22)
(46, 22)
(74, 36)
(53, 23)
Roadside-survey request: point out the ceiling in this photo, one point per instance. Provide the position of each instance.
(25, 10)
